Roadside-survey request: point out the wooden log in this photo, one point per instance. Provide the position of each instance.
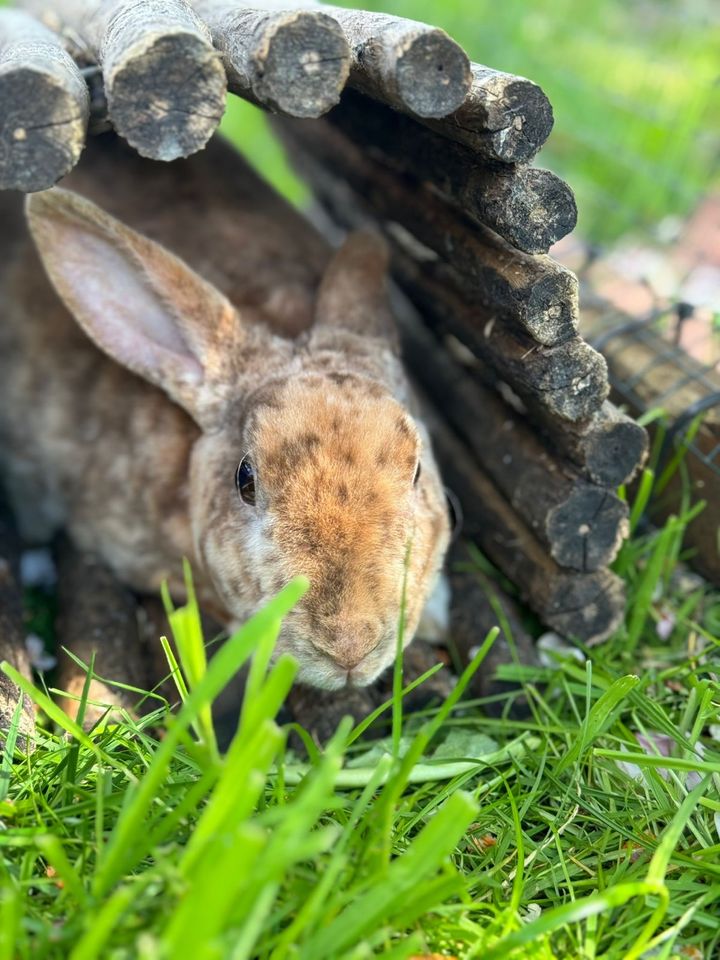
(97, 616)
(44, 105)
(12, 637)
(585, 606)
(293, 61)
(610, 447)
(504, 117)
(164, 82)
(528, 207)
(569, 381)
(532, 294)
(582, 525)
(649, 372)
(413, 67)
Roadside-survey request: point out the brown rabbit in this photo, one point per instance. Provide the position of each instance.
(244, 406)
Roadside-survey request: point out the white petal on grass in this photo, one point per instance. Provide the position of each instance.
(39, 658)
(533, 912)
(658, 744)
(665, 625)
(551, 647)
(37, 568)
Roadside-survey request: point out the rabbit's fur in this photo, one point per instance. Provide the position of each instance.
(282, 352)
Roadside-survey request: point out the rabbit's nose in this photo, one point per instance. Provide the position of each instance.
(348, 649)
(347, 655)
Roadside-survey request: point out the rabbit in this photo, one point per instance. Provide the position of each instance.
(187, 369)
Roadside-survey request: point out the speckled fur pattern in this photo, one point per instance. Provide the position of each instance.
(192, 319)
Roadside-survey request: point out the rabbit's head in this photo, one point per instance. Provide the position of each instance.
(307, 459)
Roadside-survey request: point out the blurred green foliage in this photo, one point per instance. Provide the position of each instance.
(635, 86)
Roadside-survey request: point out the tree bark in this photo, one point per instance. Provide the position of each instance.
(164, 82)
(44, 105)
(528, 207)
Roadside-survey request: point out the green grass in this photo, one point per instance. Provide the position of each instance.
(458, 834)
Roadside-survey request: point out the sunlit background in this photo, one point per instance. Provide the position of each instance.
(635, 86)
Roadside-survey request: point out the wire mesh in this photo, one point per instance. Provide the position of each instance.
(670, 340)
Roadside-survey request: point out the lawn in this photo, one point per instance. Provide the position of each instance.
(590, 829)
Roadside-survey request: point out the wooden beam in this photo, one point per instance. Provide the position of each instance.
(164, 82)
(44, 105)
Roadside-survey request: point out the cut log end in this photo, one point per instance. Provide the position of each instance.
(530, 208)
(549, 211)
(530, 119)
(615, 450)
(586, 530)
(579, 395)
(504, 118)
(433, 75)
(42, 129)
(552, 314)
(166, 94)
(590, 607)
(306, 65)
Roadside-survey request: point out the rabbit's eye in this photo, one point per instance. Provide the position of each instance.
(245, 481)
(418, 471)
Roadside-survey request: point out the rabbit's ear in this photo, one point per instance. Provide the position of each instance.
(353, 293)
(140, 304)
